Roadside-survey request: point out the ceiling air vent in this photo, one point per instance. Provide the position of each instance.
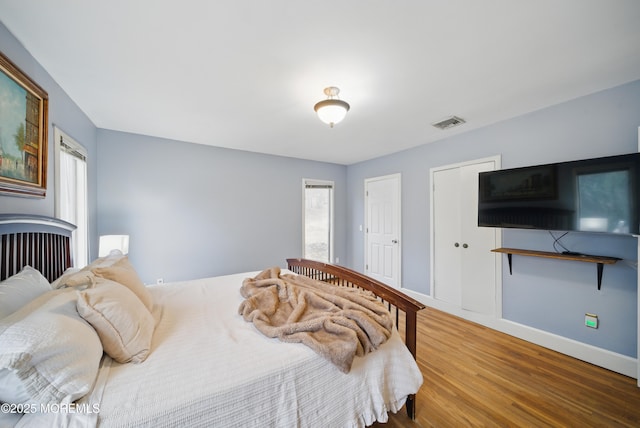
(449, 122)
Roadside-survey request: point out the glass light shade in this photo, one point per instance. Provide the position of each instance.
(109, 243)
(331, 111)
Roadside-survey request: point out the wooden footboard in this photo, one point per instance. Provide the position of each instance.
(396, 301)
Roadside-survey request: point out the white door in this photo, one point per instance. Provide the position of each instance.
(446, 234)
(478, 270)
(382, 227)
(464, 268)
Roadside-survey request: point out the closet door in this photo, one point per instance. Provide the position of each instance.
(446, 234)
(464, 266)
(478, 262)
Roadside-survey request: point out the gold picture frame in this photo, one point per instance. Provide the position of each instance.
(23, 133)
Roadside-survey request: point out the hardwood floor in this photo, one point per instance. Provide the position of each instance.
(475, 376)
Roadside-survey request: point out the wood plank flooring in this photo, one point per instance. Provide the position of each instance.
(477, 377)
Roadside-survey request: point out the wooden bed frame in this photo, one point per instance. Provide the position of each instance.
(396, 301)
(44, 243)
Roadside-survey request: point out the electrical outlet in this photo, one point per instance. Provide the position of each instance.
(160, 281)
(337, 260)
(591, 320)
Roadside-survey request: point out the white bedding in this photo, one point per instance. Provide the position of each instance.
(210, 368)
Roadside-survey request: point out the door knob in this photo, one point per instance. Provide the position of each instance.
(456, 245)
(395, 241)
(465, 246)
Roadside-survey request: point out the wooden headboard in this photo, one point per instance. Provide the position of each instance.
(41, 242)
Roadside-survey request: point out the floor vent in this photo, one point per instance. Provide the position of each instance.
(449, 122)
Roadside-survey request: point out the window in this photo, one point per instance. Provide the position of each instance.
(71, 192)
(318, 220)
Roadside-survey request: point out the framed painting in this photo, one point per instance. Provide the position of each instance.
(23, 133)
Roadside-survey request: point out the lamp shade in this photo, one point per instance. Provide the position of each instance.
(109, 243)
(332, 110)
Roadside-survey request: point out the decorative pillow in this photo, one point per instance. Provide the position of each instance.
(109, 260)
(48, 352)
(124, 273)
(124, 324)
(82, 278)
(21, 288)
(79, 279)
(59, 283)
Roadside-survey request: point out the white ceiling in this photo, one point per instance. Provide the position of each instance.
(245, 74)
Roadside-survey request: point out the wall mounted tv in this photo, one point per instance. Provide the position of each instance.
(591, 195)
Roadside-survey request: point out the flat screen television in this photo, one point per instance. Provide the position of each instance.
(591, 195)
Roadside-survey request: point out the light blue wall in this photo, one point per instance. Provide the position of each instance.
(546, 294)
(554, 295)
(194, 211)
(64, 113)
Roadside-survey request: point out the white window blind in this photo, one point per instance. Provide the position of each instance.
(71, 192)
(318, 220)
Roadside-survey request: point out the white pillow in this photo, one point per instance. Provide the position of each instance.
(80, 279)
(11, 388)
(21, 288)
(48, 352)
(83, 278)
(59, 283)
(123, 272)
(124, 324)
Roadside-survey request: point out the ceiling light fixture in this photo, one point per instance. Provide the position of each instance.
(331, 110)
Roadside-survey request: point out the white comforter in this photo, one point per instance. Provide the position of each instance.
(210, 368)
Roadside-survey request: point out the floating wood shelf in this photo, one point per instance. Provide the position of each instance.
(600, 260)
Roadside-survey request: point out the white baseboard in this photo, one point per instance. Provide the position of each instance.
(613, 361)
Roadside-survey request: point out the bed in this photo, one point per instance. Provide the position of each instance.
(204, 365)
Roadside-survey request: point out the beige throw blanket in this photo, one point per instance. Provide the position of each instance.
(336, 322)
